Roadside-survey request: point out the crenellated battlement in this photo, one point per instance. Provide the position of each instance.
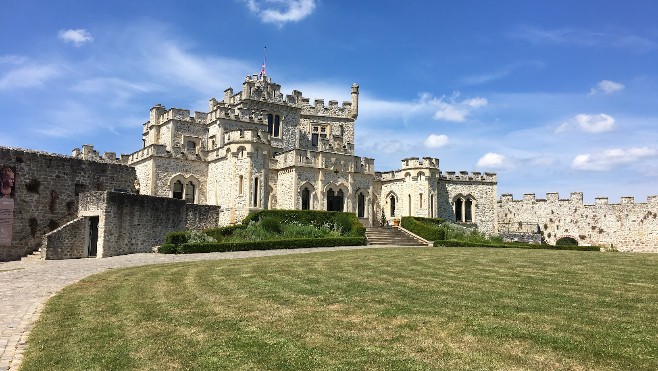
(330, 161)
(574, 198)
(418, 163)
(90, 154)
(160, 115)
(465, 176)
(261, 88)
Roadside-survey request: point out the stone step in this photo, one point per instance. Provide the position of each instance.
(390, 236)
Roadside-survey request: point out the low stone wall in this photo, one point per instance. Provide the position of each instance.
(66, 242)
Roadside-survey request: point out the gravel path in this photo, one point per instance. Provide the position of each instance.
(25, 286)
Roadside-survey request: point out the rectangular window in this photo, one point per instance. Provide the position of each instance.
(314, 139)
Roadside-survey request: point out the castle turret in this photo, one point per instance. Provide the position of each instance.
(355, 100)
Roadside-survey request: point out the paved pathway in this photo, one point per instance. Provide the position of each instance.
(26, 286)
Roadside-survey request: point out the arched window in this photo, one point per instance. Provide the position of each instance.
(409, 203)
(421, 177)
(240, 184)
(190, 190)
(431, 206)
(241, 133)
(468, 214)
(277, 125)
(334, 200)
(458, 210)
(420, 200)
(306, 199)
(392, 199)
(255, 199)
(270, 123)
(177, 191)
(361, 205)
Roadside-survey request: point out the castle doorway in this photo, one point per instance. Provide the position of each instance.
(392, 206)
(92, 245)
(335, 200)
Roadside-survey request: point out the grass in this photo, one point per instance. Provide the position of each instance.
(407, 309)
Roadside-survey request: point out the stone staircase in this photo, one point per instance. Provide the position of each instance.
(390, 236)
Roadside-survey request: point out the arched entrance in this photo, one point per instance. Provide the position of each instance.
(361, 206)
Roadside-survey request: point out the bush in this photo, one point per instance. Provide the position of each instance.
(176, 238)
(427, 228)
(515, 245)
(567, 241)
(221, 232)
(190, 248)
(271, 224)
(348, 223)
(167, 248)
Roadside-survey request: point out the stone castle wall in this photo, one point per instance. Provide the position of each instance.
(46, 192)
(627, 226)
(66, 242)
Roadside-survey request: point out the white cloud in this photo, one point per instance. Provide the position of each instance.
(451, 109)
(281, 11)
(76, 37)
(28, 76)
(609, 158)
(597, 123)
(606, 87)
(493, 161)
(436, 141)
(12, 59)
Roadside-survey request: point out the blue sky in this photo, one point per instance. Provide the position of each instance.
(554, 96)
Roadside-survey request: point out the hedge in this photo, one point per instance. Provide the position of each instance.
(220, 232)
(191, 248)
(457, 243)
(427, 228)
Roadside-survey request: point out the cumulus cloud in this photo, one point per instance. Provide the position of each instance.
(606, 87)
(436, 141)
(597, 123)
(281, 11)
(451, 108)
(609, 158)
(494, 161)
(75, 37)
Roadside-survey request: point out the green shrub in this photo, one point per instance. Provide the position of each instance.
(167, 248)
(515, 245)
(427, 228)
(176, 238)
(316, 218)
(221, 232)
(190, 248)
(271, 224)
(566, 241)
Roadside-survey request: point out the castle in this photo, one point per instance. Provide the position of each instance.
(258, 149)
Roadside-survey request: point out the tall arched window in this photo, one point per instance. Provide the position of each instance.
(177, 191)
(255, 199)
(468, 206)
(306, 199)
(270, 123)
(420, 200)
(409, 203)
(458, 210)
(392, 202)
(190, 190)
(277, 125)
(240, 184)
(361, 206)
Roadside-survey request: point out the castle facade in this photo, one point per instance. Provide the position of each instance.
(258, 149)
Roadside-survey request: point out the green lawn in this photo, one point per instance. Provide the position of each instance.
(414, 308)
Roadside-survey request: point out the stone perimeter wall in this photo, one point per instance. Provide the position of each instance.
(46, 192)
(627, 226)
(66, 242)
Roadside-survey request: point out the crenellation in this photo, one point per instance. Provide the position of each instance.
(627, 200)
(601, 201)
(529, 197)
